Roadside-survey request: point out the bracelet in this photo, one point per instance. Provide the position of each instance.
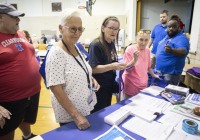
(129, 67)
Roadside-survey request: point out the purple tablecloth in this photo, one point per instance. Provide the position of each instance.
(98, 127)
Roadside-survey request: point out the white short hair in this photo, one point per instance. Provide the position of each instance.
(67, 14)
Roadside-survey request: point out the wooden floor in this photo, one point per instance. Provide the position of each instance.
(45, 119)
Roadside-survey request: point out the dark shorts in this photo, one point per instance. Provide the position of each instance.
(24, 110)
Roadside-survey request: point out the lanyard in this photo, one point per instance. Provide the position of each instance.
(85, 70)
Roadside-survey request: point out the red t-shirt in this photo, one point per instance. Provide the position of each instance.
(181, 25)
(19, 69)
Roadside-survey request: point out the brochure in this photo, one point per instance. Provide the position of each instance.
(186, 110)
(193, 98)
(173, 98)
(114, 133)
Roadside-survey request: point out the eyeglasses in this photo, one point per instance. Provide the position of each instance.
(75, 29)
(144, 31)
(113, 29)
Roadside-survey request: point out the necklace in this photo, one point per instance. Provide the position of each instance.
(84, 69)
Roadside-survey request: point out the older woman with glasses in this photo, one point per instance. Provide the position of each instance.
(103, 60)
(137, 57)
(69, 76)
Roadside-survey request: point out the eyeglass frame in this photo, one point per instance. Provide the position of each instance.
(113, 29)
(144, 31)
(77, 29)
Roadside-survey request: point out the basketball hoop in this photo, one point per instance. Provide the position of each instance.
(81, 7)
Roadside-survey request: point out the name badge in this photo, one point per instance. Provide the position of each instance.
(90, 98)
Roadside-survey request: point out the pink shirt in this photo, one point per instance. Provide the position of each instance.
(136, 79)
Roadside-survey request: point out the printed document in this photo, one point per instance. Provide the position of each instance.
(171, 118)
(149, 101)
(150, 131)
(153, 90)
(114, 133)
(146, 113)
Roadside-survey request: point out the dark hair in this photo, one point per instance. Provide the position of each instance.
(164, 11)
(101, 37)
(175, 17)
(27, 34)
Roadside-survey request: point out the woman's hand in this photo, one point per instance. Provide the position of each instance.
(136, 55)
(156, 76)
(2, 121)
(81, 122)
(95, 84)
(4, 114)
(118, 66)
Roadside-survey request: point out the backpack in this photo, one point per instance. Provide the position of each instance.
(42, 69)
(81, 48)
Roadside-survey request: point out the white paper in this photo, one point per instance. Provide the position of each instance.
(142, 112)
(151, 131)
(181, 136)
(114, 133)
(171, 118)
(152, 102)
(153, 90)
(116, 117)
(179, 127)
(178, 132)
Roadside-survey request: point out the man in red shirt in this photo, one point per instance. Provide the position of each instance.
(19, 76)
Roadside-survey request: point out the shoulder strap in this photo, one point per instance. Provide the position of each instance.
(42, 69)
(81, 48)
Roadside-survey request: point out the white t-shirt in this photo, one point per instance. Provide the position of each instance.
(62, 68)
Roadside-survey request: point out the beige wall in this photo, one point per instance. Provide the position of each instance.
(195, 58)
(39, 17)
(92, 24)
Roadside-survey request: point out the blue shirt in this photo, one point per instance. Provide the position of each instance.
(167, 62)
(158, 33)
